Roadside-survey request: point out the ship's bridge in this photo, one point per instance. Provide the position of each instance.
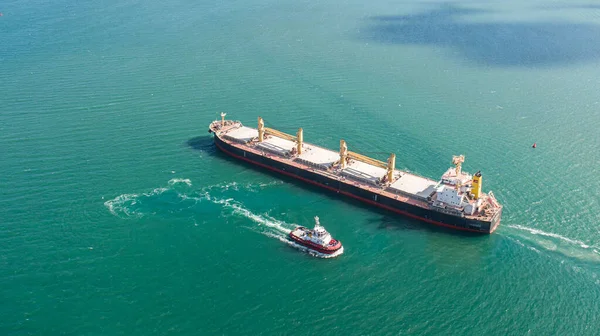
(452, 178)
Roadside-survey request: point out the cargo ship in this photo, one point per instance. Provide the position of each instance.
(454, 201)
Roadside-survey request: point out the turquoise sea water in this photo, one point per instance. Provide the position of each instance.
(119, 217)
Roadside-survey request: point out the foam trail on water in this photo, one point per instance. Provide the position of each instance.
(123, 206)
(131, 205)
(549, 234)
(180, 180)
(122, 203)
(262, 220)
(274, 228)
(535, 239)
(115, 205)
(260, 186)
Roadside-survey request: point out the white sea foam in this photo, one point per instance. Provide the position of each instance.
(122, 203)
(115, 205)
(549, 234)
(262, 220)
(260, 186)
(180, 180)
(517, 241)
(274, 228)
(555, 243)
(124, 206)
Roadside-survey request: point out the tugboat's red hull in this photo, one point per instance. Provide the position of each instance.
(329, 249)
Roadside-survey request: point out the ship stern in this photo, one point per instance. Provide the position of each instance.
(496, 221)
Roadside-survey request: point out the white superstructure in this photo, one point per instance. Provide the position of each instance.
(318, 235)
(457, 190)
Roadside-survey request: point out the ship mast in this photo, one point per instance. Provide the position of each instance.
(391, 166)
(261, 129)
(343, 154)
(299, 140)
(223, 114)
(457, 160)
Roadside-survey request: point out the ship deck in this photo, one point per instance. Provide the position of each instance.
(317, 157)
(242, 134)
(408, 187)
(414, 185)
(276, 145)
(364, 172)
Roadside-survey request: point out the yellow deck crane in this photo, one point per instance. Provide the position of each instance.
(298, 139)
(389, 166)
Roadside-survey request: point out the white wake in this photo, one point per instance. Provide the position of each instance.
(537, 240)
(125, 206)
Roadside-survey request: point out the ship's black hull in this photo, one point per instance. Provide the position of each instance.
(367, 196)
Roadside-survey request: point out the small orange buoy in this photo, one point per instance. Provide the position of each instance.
(534, 145)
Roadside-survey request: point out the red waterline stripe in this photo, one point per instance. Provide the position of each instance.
(302, 241)
(349, 194)
(315, 247)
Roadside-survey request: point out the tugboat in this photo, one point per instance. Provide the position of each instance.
(317, 239)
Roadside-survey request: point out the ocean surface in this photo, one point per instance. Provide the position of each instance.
(119, 217)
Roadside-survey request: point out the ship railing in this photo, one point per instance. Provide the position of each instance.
(323, 167)
(228, 120)
(395, 191)
(446, 210)
(218, 126)
(492, 200)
